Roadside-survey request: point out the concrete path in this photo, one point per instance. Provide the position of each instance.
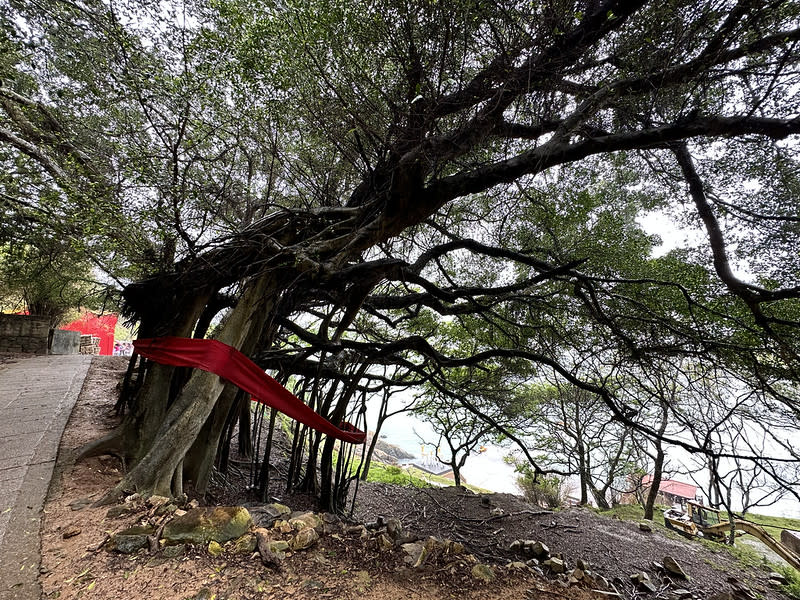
(36, 398)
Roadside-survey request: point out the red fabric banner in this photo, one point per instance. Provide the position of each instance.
(230, 364)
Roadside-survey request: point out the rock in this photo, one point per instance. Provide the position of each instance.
(266, 515)
(214, 549)
(379, 522)
(130, 540)
(156, 501)
(791, 539)
(394, 529)
(414, 553)
(497, 512)
(515, 547)
(355, 530)
(202, 525)
(203, 594)
(166, 509)
(313, 584)
(179, 512)
(384, 542)
(645, 527)
(80, 504)
(245, 544)
(555, 564)
(305, 538)
(740, 591)
(582, 564)
(643, 582)
(657, 566)
(305, 521)
(577, 574)
(70, 532)
(277, 546)
(483, 572)
(174, 551)
(648, 586)
(453, 548)
(672, 567)
(283, 527)
(518, 565)
(536, 549)
(268, 557)
(774, 576)
(119, 510)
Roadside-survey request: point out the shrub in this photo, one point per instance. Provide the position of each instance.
(548, 492)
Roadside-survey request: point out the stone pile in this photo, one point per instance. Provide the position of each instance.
(172, 528)
(273, 532)
(89, 345)
(666, 579)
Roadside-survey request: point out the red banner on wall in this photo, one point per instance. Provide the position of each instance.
(99, 326)
(230, 364)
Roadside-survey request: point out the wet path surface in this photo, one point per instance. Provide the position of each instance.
(37, 395)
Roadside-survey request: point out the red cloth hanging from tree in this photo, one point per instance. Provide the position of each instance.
(230, 364)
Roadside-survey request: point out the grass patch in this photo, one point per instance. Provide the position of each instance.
(791, 589)
(383, 473)
(409, 475)
(744, 555)
(632, 512)
(773, 525)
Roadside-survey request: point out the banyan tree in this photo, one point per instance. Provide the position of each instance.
(329, 186)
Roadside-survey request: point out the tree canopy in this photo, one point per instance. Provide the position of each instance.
(427, 189)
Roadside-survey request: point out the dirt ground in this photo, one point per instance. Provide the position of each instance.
(75, 564)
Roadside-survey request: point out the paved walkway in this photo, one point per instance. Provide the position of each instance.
(36, 398)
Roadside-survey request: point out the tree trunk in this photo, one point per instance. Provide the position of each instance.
(199, 460)
(263, 478)
(149, 407)
(583, 474)
(245, 426)
(655, 484)
(183, 421)
(600, 498)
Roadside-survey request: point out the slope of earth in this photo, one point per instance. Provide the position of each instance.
(346, 565)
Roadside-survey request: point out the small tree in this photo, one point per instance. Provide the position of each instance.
(457, 427)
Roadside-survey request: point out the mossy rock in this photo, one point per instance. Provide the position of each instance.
(483, 572)
(245, 544)
(306, 521)
(203, 525)
(130, 540)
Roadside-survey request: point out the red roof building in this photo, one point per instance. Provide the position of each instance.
(673, 490)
